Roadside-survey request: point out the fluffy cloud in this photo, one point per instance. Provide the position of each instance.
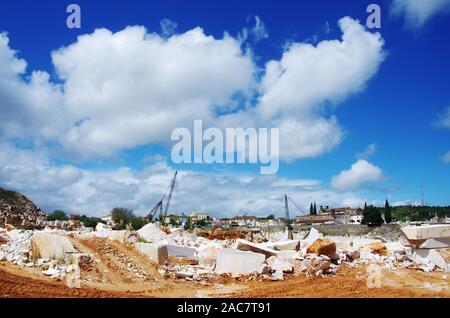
(295, 89)
(29, 105)
(132, 88)
(360, 174)
(418, 12)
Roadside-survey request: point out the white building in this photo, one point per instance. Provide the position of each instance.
(197, 216)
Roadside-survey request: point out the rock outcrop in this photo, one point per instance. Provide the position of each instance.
(18, 210)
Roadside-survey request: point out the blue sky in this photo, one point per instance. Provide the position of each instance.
(389, 98)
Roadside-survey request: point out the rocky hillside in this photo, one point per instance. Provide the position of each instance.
(17, 209)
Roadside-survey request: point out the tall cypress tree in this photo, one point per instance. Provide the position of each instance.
(311, 209)
(315, 209)
(387, 212)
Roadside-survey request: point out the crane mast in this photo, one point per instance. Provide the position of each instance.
(172, 186)
(160, 205)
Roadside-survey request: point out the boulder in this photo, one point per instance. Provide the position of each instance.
(244, 245)
(278, 265)
(156, 252)
(378, 248)
(322, 247)
(4, 238)
(238, 262)
(353, 255)
(51, 246)
(181, 251)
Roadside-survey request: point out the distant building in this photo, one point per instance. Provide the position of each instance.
(197, 216)
(240, 220)
(333, 215)
(314, 219)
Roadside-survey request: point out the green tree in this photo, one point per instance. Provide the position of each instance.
(270, 217)
(387, 212)
(200, 223)
(372, 216)
(311, 209)
(138, 222)
(121, 217)
(57, 215)
(315, 209)
(90, 221)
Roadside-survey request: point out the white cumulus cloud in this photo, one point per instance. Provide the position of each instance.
(359, 175)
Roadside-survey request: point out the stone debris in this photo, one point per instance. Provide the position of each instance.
(185, 255)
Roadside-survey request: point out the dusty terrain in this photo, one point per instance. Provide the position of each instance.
(119, 271)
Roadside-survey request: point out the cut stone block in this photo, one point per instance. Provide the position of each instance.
(427, 231)
(155, 252)
(428, 236)
(207, 255)
(290, 245)
(181, 251)
(244, 245)
(238, 262)
(51, 246)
